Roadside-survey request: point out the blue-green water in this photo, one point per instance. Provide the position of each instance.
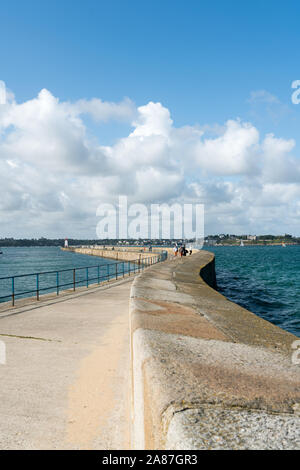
(263, 279)
(19, 260)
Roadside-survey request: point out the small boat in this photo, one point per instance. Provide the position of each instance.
(283, 245)
(242, 243)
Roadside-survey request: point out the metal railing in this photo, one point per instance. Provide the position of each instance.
(36, 283)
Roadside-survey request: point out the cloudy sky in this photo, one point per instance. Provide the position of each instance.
(162, 104)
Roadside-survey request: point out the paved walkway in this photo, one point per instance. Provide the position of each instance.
(65, 384)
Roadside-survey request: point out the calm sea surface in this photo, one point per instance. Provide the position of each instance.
(264, 279)
(15, 261)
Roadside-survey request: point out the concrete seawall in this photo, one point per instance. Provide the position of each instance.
(206, 373)
(116, 254)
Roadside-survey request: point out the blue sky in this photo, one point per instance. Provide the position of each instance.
(206, 62)
(200, 59)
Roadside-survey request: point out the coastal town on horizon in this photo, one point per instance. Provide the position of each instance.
(209, 240)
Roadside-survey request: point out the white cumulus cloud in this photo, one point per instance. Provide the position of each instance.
(53, 175)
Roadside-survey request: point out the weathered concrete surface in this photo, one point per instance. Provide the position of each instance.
(207, 372)
(241, 429)
(66, 381)
(119, 255)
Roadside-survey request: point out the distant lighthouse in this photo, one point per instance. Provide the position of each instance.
(66, 243)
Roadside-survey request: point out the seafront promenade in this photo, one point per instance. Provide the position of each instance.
(160, 360)
(66, 381)
(208, 374)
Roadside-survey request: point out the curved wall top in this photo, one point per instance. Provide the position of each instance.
(206, 367)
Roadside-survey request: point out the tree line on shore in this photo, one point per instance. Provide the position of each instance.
(252, 240)
(219, 239)
(30, 242)
(44, 242)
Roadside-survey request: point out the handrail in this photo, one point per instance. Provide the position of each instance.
(131, 267)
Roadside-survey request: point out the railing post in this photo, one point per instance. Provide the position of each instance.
(13, 290)
(37, 287)
(139, 265)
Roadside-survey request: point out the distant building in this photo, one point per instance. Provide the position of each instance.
(211, 241)
(251, 237)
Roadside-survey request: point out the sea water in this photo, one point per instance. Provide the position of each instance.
(15, 261)
(263, 279)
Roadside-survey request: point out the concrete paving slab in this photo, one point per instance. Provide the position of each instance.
(65, 384)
